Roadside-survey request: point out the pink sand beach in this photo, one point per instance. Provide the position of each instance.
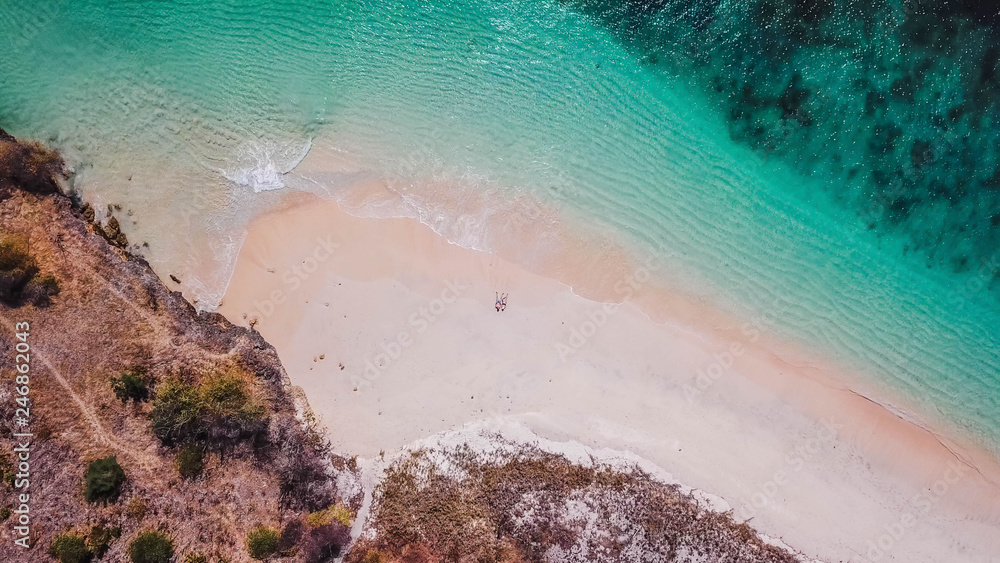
(391, 332)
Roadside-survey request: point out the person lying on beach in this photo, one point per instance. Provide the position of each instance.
(503, 302)
(499, 301)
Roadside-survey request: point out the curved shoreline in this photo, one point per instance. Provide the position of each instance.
(751, 430)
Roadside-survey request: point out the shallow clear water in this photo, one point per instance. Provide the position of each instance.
(770, 201)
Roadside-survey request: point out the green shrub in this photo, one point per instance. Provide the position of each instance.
(69, 547)
(195, 558)
(262, 542)
(335, 513)
(5, 513)
(14, 255)
(99, 539)
(104, 480)
(151, 547)
(130, 385)
(224, 396)
(175, 411)
(218, 410)
(190, 461)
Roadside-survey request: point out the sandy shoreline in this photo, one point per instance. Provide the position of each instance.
(391, 332)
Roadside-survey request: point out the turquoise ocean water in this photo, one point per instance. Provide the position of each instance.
(830, 166)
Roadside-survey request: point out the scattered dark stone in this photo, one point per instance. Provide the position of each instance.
(792, 101)
(112, 229)
(88, 212)
(874, 100)
(174, 279)
(993, 182)
(960, 264)
(921, 154)
(955, 114)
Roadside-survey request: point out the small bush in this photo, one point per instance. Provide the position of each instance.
(130, 385)
(219, 410)
(175, 411)
(190, 461)
(151, 547)
(104, 480)
(262, 542)
(99, 539)
(336, 513)
(17, 269)
(20, 280)
(195, 558)
(224, 397)
(136, 508)
(301, 469)
(5, 513)
(70, 547)
(14, 255)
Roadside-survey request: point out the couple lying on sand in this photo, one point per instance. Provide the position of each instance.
(501, 302)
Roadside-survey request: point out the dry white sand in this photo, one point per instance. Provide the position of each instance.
(391, 332)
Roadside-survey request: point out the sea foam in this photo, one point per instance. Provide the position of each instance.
(262, 165)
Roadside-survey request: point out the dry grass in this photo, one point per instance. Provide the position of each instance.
(21, 280)
(530, 505)
(113, 314)
(28, 165)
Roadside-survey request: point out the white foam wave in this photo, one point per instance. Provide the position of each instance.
(262, 165)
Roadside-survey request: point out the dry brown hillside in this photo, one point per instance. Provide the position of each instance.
(120, 366)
